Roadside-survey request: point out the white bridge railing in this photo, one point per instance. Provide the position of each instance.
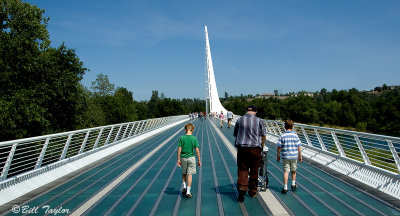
(24, 158)
(368, 158)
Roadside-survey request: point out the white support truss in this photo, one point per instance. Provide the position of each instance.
(214, 102)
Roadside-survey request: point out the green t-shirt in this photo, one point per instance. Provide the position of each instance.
(188, 144)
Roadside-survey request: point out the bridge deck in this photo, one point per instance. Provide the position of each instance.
(153, 187)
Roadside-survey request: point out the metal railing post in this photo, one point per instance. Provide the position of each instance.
(98, 139)
(266, 123)
(64, 153)
(338, 146)
(157, 123)
(148, 125)
(394, 153)
(126, 130)
(306, 136)
(7, 165)
(138, 127)
(133, 127)
(279, 129)
(84, 143)
(119, 131)
(321, 142)
(274, 128)
(109, 135)
(361, 148)
(42, 153)
(142, 127)
(164, 120)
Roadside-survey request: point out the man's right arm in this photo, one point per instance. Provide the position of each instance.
(263, 139)
(278, 156)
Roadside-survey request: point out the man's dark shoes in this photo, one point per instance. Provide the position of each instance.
(241, 195)
(284, 191)
(189, 195)
(184, 191)
(294, 187)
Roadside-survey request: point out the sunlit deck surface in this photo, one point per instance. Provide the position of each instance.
(154, 187)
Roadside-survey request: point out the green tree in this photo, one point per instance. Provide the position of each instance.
(102, 86)
(153, 108)
(122, 107)
(39, 85)
(384, 87)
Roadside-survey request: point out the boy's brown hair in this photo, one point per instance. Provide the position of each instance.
(289, 124)
(189, 126)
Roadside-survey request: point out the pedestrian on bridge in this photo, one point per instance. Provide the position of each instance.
(222, 117)
(188, 144)
(289, 145)
(250, 139)
(229, 115)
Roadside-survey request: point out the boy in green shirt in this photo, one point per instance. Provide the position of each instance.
(187, 144)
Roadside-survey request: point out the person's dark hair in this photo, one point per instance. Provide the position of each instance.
(289, 124)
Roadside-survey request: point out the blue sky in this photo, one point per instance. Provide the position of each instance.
(257, 46)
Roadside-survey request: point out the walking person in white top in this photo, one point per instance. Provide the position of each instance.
(229, 115)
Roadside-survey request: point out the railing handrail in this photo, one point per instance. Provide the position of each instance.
(348, 132)
(29, 153)
(351, 144)
(28, 139)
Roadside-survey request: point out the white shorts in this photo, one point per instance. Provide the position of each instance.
(188, 165)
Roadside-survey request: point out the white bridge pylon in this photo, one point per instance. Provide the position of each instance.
(213, 104)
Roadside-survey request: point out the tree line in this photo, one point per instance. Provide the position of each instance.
(350, 109)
